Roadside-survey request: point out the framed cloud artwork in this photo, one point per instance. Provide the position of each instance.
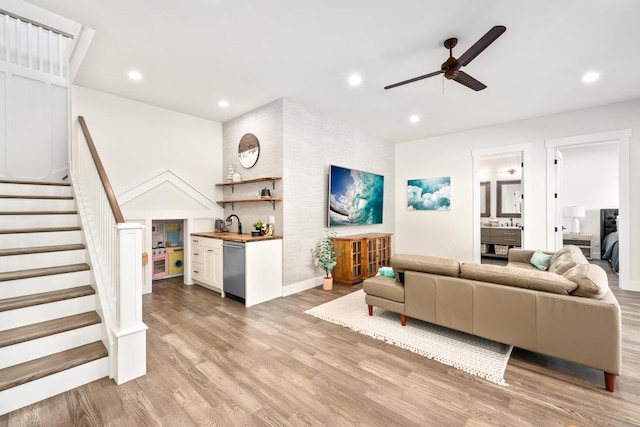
(429, 194)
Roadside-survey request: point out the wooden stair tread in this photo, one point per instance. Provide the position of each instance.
(38, 212)
(11, 181)
(34, 197)
(46, 271)
(45, 297)
(41, 249)
(50, 327)
(38, 230)
(39, 368)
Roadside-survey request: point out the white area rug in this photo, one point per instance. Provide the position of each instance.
(474, 355)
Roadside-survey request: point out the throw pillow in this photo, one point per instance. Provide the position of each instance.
(386, 271)
(540, 259)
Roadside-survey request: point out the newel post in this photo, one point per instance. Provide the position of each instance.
(130, 333)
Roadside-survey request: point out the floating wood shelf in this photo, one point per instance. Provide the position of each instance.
(273, 201)
(232, 184)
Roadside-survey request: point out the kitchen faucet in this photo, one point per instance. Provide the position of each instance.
(239, 223)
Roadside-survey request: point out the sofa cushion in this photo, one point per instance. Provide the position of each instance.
(524, 265)
(384, 287)
(591, 280)
(566, 258)
(540, 260)
(425, 264)
(518, 277)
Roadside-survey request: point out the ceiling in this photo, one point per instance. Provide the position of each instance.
(194, 53)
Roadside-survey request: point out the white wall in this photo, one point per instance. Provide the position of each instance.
(170, 161)
(451, 233)
(137, 141)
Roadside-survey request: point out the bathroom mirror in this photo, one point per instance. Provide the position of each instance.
(248, 150)
(509, 201)
(485, 199)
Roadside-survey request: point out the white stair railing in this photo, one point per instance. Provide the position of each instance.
(29, 44)
(115, 249)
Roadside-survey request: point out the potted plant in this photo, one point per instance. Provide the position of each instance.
(326, 257)
(258, 226)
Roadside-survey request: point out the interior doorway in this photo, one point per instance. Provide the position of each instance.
(515, 194)
(622, 138)
(501, 213)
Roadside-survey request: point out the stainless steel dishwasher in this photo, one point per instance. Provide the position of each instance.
(233, 275)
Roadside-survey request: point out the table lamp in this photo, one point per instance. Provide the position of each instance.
(574, 212)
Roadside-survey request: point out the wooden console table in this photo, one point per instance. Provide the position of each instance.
(360, 256)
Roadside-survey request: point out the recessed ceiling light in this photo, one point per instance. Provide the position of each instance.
(355, 79)
(135, 75)
(224, 103)
(414, 118)
(590, 77)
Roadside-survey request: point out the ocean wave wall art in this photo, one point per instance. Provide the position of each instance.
(355, 197)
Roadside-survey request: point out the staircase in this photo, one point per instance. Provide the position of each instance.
(50, 332)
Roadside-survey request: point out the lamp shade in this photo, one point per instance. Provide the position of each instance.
(573, 212)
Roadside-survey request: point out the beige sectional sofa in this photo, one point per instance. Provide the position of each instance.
(566, 310)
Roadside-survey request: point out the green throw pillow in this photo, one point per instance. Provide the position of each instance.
(540, 259)
(386, 271)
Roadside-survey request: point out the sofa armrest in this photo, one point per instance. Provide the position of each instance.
(520, 255)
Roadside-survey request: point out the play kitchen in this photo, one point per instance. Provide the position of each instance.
(167, 249)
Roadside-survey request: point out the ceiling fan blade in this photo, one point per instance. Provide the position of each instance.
(465, 79)
(481, 44)
(415, 79)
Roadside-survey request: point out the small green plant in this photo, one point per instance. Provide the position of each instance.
(325, 254)
(258, 224)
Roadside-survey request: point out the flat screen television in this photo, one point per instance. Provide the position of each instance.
(355, 197)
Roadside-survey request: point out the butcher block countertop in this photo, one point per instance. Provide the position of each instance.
(234, 237)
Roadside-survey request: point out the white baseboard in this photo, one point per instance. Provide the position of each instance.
(301, 286)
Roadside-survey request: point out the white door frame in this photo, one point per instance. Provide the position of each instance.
(623, 137)
(526, 151)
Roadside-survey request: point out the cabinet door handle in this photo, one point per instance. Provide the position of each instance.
(209, 250)
(196, 253)
(195, 241)
(196, 271)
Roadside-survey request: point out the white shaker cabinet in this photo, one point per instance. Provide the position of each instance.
(206, 262)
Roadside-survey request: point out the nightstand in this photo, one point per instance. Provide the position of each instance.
(583, 241)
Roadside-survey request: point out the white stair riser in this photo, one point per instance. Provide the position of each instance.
(36, 285)
(37, 205)
(35, 190)
(28, 240)
(41, 260)
(41, 313)
(38, 221)
(35, 391)
(34, 349)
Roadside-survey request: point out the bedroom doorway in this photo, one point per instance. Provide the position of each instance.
(555, 184)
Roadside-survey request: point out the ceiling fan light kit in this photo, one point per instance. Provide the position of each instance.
(451, 67)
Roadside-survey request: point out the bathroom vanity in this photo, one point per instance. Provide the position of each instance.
(496, 241)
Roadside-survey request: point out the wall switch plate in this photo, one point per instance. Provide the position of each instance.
(272, 219)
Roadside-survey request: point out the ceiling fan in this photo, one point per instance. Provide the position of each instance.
(451, 67)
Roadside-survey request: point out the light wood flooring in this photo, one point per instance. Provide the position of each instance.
(211, 361)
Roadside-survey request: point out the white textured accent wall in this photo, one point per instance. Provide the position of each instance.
(266, 124)
(299, 145)
(311, 143)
